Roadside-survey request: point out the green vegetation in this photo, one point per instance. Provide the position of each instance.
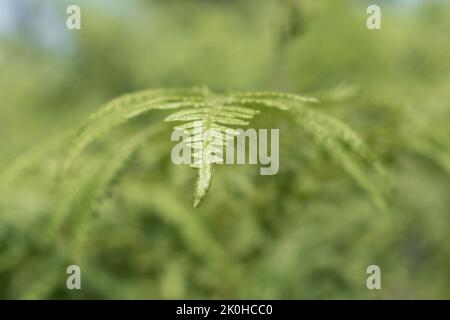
(364, 173)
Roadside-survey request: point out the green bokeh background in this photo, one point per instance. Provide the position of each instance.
(308, 232)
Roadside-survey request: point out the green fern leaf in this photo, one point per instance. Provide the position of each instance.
(210, 133)
(125, 108)
(209, 119)
(81, 193)
(333, 135)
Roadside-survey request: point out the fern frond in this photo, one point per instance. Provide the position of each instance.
(209, 119)
(129, 106)
(361, 177)
(342, 142)
(258, 103)
(145, 96)
(274, 95)
(335, 136)
(78, 198)
(209, 134)
(330, 131)
(95, 184)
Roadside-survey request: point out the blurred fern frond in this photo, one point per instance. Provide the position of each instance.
(80, 194)
(125, 108)
(208, 120)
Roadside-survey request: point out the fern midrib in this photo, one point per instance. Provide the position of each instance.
(205, 170)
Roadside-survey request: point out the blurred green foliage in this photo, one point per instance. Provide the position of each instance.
(308, 232)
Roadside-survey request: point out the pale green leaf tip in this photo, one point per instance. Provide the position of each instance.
(200, 193)
(197, 202)
(203, 184)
